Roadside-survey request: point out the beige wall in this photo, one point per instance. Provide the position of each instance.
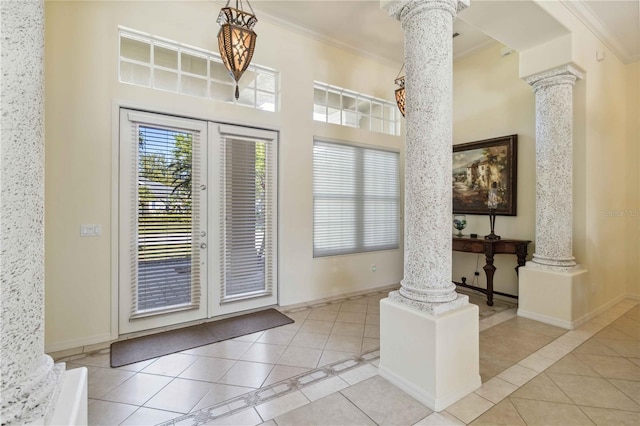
(632, 168)
(490, 100)
(601, 146)
(601, 246)
(81, 88)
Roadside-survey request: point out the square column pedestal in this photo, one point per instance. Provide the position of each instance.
(554, 297)
(433, 358)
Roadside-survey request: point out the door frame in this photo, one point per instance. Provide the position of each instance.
(116, 106)
(127, 180)
(216, 307)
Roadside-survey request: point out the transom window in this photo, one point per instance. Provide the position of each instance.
(150, 61)
(333, 104)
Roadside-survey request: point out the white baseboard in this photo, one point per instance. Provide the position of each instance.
(71, 406)
(76, 343)
(571, 325)
(568, 325)
(436, 404)
(386, 288)
(598, 311)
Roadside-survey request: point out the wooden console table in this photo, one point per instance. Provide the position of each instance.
(491, 248)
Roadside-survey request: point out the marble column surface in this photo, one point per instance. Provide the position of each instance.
(554, 167)
(30, 381)
(427, 26)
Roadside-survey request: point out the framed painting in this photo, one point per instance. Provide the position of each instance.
(477, 166)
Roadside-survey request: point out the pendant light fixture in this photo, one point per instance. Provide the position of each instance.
(400, 91)
(236, 39)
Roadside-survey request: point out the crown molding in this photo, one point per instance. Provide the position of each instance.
(304, 31)
(584, 13)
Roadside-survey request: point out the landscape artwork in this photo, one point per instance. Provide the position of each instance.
(479, 165)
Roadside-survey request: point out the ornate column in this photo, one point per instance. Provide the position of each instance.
(428, 47)
(554, 167)
(551, 285)
(29, 378)
(429, 339)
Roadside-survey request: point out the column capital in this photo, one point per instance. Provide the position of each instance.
(402, 9)
(566, 74)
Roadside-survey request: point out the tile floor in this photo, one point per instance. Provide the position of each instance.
(312, 372)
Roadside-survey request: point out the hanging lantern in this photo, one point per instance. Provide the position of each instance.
(400, 91)
(400, 94)
(236, 39)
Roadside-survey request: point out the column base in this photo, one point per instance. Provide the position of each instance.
(431, 308)
(552, 296)
(71, 406)
(32, 400)
(433, 358)
(554, 264)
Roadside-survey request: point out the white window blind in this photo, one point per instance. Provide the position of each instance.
(165, 276)
(248, 168)
(356, 199)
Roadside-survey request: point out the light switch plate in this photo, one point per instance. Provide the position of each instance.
(90, 230)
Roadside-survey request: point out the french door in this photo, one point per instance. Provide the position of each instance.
(197, 220)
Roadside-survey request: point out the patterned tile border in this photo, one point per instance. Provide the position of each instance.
(276, 390)
(226, 408)
(301, 381)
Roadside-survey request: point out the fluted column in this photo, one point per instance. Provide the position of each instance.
(554, 167)
(428, 29)
(29, 378)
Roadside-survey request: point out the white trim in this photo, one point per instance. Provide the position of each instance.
(253, 133)
(71, 408)
(76, 343)
(115, 211)
(632, 296)
(583, 319)
(568, 325)
(436, 404)
(157, 109)
(364, 145)
(311, 303)
(305, 31)
(166, 121)
(571, 325)
(590, 20)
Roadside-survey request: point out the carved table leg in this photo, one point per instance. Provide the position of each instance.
(489, 270)
(521, 252)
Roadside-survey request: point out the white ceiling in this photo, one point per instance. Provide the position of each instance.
(361, 26)
(358, 25)
(615, 22)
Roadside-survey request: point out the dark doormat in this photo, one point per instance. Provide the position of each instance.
(148, 347)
